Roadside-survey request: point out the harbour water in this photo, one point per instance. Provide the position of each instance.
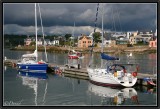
(65, 91)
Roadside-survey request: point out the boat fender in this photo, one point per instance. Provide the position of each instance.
(115, 74)
(134, 74)
(14, 65)
(40, 62)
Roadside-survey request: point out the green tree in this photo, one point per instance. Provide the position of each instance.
(97, 37)
(67, 36)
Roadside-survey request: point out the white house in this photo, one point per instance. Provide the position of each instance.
(54, 42)
(39, 41)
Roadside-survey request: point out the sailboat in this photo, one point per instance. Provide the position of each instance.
(112, 95)
(29, 62)
(111, 74)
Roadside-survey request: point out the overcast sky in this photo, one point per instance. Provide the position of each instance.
(59, 18)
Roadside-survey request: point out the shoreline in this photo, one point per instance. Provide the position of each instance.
(117, 49)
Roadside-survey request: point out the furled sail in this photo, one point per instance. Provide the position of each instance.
(106, 57)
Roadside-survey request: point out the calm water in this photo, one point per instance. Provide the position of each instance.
(61, 90)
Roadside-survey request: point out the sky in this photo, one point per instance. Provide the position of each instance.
(59, 18)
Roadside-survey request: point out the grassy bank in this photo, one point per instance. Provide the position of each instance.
(116, 49)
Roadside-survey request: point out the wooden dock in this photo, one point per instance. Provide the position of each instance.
(81, 73)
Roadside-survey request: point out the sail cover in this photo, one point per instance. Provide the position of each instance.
(30, 55)
(106, 57)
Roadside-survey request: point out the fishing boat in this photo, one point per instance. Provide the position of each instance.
(111, 74)
(113, 96)
(75, 55)
(29, 62)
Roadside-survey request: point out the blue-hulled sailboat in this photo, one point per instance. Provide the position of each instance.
(29, 62)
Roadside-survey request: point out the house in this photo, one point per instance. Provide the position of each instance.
(84, 41)
(40, 41)
(141, 37)
(109, 41)
(28, 41)
(54, 42)
(153, 43)
(131, 33)
(122, 40)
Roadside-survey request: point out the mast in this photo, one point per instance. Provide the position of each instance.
(102, 35)
(73, 32)
(102, 30)
(36, 32)
(91, 57)
(43, 33)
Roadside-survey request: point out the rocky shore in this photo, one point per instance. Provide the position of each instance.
(117, 49)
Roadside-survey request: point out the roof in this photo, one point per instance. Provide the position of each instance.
(85, 37)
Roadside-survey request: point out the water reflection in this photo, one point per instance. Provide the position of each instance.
(35, 83)
(110, 96)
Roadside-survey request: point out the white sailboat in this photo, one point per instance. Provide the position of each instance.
(111, 74)
(29, 62)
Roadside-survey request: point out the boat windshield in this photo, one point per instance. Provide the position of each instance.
(28, 59)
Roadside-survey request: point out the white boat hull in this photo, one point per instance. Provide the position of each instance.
(102, 77)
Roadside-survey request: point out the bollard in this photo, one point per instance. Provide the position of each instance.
(78, 66)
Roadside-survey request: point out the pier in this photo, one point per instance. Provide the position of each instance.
(81, 73)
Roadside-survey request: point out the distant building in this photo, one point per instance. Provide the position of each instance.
(84, 41)
(122, 40)
(118, 34)
(131, 33)
(153, 43)
(39, 41)
(28, 41)
(141, 37)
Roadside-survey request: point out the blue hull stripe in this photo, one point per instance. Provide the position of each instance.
(33, 66)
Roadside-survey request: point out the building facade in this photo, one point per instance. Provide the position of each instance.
(84, 41)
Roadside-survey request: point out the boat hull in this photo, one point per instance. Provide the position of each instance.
(73, 57)
(41, 68)
(101, 77)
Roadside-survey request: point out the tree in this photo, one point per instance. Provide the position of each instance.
(97, 37)
(67, 36)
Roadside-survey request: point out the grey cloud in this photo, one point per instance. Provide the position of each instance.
(129, 16)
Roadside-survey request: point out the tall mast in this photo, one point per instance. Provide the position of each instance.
(102, 30)
(91, 57)
(36, 32)
(102, 36)
(73, 33)
(43, 33)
